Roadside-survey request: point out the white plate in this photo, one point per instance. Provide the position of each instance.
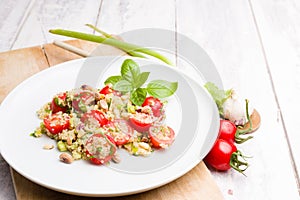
(191, 112)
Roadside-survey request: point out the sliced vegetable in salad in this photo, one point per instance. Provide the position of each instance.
(93, 124)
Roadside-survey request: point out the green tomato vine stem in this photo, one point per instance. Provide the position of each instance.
(239, 132)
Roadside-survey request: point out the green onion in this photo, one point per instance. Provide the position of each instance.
(127, 47)
(61, 146)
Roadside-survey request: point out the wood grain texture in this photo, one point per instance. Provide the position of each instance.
(196, 184)
(16, 66)
(48, 14)
(56, 55)
(279, 28)
(13, 15)
(124, 15)
(227, 32)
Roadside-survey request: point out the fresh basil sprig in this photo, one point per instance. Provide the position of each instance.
(132, 79)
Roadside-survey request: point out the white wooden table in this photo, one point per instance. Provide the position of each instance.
(255, 45)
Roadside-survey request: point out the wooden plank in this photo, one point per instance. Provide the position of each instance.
(226, 30)
(13, 15)
(56, 55)
(124, 15)
(13, 70)
(50, 14)
(195, 184)
(279, 29)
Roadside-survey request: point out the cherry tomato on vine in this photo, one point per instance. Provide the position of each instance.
(224, 155)
(227, 130)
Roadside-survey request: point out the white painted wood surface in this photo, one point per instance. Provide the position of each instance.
(255, 45)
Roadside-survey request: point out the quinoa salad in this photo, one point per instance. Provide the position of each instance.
(94, 123)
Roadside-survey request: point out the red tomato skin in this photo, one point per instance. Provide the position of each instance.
(82, 98)
(128, 133)
(96, 114)
(57, 108)
(138, 125)
(58, 127)
(155, 105)
(220, 155)
(227, 130)
(98, 161)
(106, 90)
(156, 143)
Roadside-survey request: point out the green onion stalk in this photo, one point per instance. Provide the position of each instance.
(108, 39)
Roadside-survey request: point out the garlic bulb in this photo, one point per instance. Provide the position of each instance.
(234, 109)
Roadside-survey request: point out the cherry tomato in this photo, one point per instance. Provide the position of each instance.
(155, 104)
(82, 100)
(227, 130)
(141, 121)
(99, 149)
(107, 90)
(220, 155)
(57, 103)
(56, 123)
(161, 136)
(119, 131)
(97, 115)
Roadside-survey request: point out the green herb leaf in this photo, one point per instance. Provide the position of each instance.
(113, 80)
(161, 88)
(142, 78)
(123, 86)
(219, 96)
(138, 96)
(130, 70)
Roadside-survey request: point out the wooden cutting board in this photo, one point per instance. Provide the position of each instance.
(17, 65)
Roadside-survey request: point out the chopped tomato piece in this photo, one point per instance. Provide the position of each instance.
(155, 104)
(99, 149)
(97, 115)
(108, 90)
(56, 123)
(82, 100)
(59, 103)
(141, 121)
(161, 136)
(119, 131)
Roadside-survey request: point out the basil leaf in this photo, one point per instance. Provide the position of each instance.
(123, 86)
(161, 88)
(142, 78)
(130, 70)
(112, 79)
(138, 96)
(219, 95)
